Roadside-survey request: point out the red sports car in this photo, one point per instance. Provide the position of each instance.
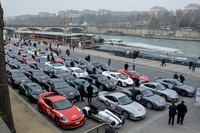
(133, 75)
(61, 110)
(28, 60)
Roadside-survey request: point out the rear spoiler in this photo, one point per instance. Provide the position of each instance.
(156, 78)
(46, 94)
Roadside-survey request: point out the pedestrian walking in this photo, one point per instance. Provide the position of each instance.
(182, 110)
(182, 78)
(190, 64)
(67, 52)
(72, 64)
(172, 113)
(193, 67)
(164, 62)
(90, 92)
(126, 66)
(137, 82)
(82, 90)
(175, 76)
(109, 61)
(111, 128)
(70, 46)
(134, 65)
(73, 47)
(88, 58)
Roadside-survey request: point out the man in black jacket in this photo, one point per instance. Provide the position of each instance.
(82, 91)
(126, 66)
(172, 113)
(90, 92)
(175, 76)
(111, 128)
(182, 110)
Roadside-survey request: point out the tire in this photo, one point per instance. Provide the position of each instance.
(101, 87)
(149, 105)
(85, 113)
(119, 83)
(164, 96)
(39, 108)
(183, 93)
(57, 122)
(125, 114)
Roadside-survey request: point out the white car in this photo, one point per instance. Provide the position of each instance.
(77, 72)
(56, 65)
(118, 78)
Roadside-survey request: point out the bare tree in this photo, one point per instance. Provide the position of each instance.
(4, 93)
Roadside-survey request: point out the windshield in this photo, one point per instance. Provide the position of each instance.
(178, 83)
(137, 74)
(161, 87)
(24, 66)
(61, 105)
(29, 59)
(18, 74)
(102, 108)
(59, 71)
(124, 100)
(147, 93)
(35, 88)
(38, 73)
(102, 78)
(61, 84)
(79, 71)
(121, 76)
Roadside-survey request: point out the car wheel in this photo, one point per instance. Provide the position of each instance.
(119, 83)
(39, 108)
(164, 96)
(125, 114)
(101, 87)
(149, 105)
(183, 93)
(85, 113)
(57, 121)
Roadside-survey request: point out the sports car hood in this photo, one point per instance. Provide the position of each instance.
(71, 113)
(143, 77)
(44, 77)
(156, 98)
(69, 92)
(135, 107)
(187, 87)
(170, 92)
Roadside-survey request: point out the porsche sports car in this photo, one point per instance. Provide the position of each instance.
(28, 60)
(77, 72)
(57, 65)
(159, 89)
(76, 83)
(98, 111)
(65, 114)
(90, 69)
(146, 97)
(122, 104)
(101, 81)
(104, 67)
(58, 73)
(180, 88)
(15, 77)
(40, 66)
(133, 75)
(36, 75)
(31, 90)
(58, 59)
(118, 78)
(61, 87)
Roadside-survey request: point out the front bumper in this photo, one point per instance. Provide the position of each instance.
(72, 124)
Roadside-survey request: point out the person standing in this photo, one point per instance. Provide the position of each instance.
(137, 82)
(72, 64)
(172, 113)
(182, 110)
(109, 61)
(193, 67)
(164, 62)
(88, 57)
(134, 65)
(175, 76)
(182, 78)
(73, 47)
(90, 92)
(82, 91)
(111, 128)
(190, 64)
(126, 66)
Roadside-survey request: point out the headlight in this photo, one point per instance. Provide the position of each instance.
(64, 118)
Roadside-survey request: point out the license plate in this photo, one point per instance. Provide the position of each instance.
(77, 123)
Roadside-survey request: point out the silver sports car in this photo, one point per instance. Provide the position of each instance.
(159, 89)
(122, 104)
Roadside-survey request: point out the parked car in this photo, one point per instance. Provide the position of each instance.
(91, 69)
(104, 67)
(36, 75)
(77, 72)
(180, 88)
(41, 66)
(122, 104)
(59, 73)
(65, 114)
(28, 60)
(57, 65)
(98, 111)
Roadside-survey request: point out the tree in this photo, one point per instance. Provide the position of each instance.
(4, 93)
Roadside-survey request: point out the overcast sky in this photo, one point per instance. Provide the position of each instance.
(22, 7)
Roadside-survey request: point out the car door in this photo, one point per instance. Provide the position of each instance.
(112, 103)
(26, 91)
(152, 88)
(48, 108)
(139, 97)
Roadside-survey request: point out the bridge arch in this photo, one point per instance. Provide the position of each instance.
(54, 29)
(30, 28)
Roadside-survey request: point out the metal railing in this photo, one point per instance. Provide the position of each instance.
(97, 129)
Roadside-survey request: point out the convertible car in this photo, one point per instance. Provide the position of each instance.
(65, 114)
(98, 111)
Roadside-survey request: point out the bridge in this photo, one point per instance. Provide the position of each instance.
(75, 29)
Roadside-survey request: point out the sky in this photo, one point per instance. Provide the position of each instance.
(23, 7)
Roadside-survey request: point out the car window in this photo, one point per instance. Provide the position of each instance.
(124, 100)
(161, 87)
(61, 105)
(111, 98)
(49, 103)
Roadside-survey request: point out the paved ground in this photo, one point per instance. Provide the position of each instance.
(26, 121)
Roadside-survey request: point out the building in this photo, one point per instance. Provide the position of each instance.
(157, 10)
(190, 7)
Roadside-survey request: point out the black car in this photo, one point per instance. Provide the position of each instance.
(36, 75)
(61, 87)
(24, 67)
(15, 77)
(101, 81)
(91, 69)
(82, 61)
(174, 84)
(104, 67)
(13, 63)
(41, 66)
(58, 73)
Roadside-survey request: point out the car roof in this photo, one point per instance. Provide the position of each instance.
(56, 79)
(56, 98)
(116, 94)
(96, 104)
(74, 68)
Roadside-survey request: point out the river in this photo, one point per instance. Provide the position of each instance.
(187, 47)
